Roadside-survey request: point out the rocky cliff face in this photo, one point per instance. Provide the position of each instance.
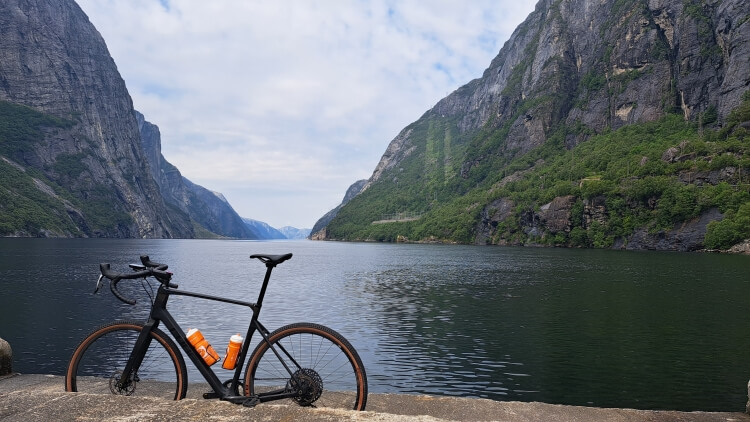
(206, 208)
(53, 60)
(600, 65)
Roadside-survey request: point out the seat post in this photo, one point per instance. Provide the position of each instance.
(266, 279)
(270, 261)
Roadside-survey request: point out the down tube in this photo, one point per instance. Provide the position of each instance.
(182, 340)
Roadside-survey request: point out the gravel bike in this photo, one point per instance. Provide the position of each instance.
(308, 363)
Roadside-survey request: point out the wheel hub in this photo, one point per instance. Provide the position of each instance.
(124, 388)
(308, 385)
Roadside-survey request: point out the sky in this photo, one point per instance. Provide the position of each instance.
(282, 105)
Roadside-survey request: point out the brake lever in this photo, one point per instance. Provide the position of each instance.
(98, 283)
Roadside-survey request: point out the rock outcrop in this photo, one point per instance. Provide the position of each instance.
(6, 358)
(684, 237)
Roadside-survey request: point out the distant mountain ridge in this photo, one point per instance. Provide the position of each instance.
(263, 229)
(318, 231)
(268, 232)
(294, 233)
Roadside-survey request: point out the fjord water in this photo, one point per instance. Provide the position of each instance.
(646, 330)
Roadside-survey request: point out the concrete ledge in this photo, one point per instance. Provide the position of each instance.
(41, 397)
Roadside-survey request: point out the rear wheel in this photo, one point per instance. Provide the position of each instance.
(97, 363)
(323, 368)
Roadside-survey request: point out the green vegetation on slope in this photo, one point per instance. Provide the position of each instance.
(33, 204)
(25, 208)
(21, 126)
(623, 169)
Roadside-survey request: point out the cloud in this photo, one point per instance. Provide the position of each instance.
(281, 105)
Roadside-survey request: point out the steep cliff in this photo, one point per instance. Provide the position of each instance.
(511, 157)
(599, 65)
(207, 208)
(54, 61)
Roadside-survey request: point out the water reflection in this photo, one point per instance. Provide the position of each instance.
(426, 319)
(577, 327)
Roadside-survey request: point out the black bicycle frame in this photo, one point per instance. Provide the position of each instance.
(159, 313)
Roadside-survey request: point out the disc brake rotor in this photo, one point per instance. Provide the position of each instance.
(124, 390)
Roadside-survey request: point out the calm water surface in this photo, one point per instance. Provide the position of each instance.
(645, 330)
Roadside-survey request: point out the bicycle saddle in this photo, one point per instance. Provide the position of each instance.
(272, 260)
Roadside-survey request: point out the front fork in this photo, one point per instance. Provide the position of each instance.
(129, 373)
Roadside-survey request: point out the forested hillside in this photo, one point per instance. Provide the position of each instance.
(632, 184)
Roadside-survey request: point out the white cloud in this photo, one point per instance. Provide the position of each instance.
(280, 105)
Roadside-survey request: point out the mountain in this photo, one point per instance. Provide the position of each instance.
(318, 231)
(71, 162)
(294, 233)
(268, 232)
(263, 230)
(600, 123)
(210, 210)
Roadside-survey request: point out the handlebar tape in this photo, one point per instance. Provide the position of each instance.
(113, 287)
(115, 278)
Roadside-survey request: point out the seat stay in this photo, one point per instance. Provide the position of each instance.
(278, 355)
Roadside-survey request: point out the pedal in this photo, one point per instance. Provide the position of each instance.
(251, 401)
(211, 395)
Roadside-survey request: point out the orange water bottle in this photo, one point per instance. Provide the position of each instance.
(202, 346)
(233, 349)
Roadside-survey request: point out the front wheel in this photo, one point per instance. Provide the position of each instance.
(314, 362)
(97, 364)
